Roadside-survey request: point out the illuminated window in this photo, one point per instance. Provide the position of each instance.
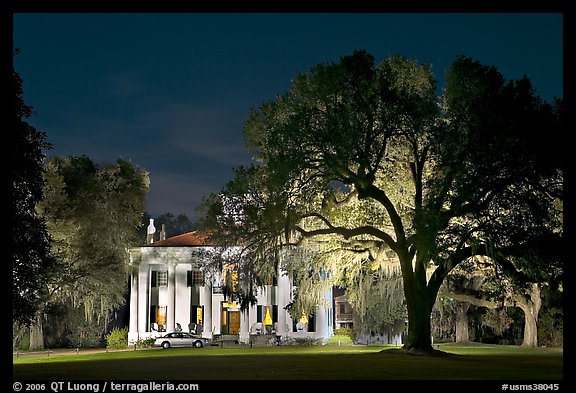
(261, 312)
(161, 315)
(306, 322)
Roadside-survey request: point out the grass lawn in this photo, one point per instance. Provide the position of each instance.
(471, 362)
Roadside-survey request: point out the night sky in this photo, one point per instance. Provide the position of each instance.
(170, 92)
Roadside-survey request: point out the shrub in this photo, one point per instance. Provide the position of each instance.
(117, 338)
(288, 341)
(145, 342)
(307, 341)
(340, 339)
(345, 332)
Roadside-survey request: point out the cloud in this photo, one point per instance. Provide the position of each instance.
(179, 193)
(208, 132)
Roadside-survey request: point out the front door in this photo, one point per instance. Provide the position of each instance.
(233, 322)
(230, 318)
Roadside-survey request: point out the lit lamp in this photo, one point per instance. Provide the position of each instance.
(302, 322)
(267, 317)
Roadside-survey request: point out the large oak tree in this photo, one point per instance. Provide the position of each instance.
(439, 178)
(93, 214)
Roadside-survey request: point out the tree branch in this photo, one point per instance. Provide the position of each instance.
(379, 195)
(492, 304)
(347, 233)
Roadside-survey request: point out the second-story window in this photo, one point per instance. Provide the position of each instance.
(162, 278)
(195, 278)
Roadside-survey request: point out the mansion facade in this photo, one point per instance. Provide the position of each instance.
(172, 288)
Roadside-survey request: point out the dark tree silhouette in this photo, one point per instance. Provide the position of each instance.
(32, 261)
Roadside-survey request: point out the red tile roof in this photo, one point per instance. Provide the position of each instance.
(190, 239)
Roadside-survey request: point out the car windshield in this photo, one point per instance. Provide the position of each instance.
(178, 335)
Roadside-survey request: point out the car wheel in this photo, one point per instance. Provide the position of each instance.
(165, 345)
(198, 344)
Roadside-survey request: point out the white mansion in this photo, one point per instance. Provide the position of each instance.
(172, 290)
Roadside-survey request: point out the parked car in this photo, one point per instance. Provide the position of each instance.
(181, 339)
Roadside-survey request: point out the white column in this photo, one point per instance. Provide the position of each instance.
(133, 326)
(329, 314)
(182, 297)
(282, 300)
(320, 322)
(143, 305)
(207, 320)
(171, 303)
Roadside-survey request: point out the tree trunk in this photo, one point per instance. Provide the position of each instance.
(529, 305)
(419, 327)
(419, 307)
(531, 308)
(462, 332)
(37, 333)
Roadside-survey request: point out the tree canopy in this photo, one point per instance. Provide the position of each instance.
(93, 214)
(365, 160)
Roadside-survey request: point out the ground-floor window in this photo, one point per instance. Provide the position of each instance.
(267, 316)
(158, 318)
(196, 319)
(306, 323)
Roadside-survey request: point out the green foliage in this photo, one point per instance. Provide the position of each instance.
(20, 337)
(349, 332)
(307, 341)
(340, 339)
(551, 328)
(92, 214)
(145, 342)
(66, 327)
(88, 338)
(551, 321)
(498, 320)
(117, 338)
(444, 318)
(377, 301)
